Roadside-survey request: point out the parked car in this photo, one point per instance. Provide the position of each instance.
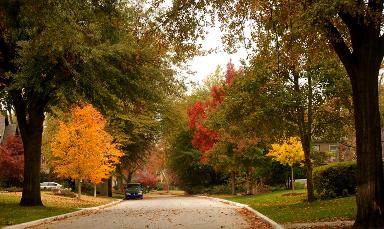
(134, 191)
(50, 185)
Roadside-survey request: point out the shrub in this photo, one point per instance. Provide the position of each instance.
(299, 185)
(12, 189)
(336, 179)
(64, 192)
(219, 189)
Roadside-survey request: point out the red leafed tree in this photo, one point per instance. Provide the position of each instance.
(147, 179)
(12, 161)
(230, 73)
(204, 138)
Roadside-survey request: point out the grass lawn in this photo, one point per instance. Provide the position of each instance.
(287, 207)
(11, 213)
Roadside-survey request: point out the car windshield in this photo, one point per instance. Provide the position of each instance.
(133, 186)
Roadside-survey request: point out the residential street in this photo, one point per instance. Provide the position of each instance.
(159, 212)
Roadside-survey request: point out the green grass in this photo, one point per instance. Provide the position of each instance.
(285, 208)
(11, 213)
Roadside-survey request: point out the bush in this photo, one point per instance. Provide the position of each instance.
(219, 189)
(12, 189)
(64, 192)
(299, 185)
(336, 179)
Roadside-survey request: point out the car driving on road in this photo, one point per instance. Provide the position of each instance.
(134, 191)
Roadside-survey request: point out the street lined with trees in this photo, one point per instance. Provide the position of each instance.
(312, 76)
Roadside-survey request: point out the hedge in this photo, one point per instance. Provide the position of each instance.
(335, 180)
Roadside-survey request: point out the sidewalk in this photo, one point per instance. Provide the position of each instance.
(84, 211)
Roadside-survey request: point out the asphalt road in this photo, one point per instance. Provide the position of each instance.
(159, 212)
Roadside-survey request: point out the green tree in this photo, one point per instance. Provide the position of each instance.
(90, 51)
(352, 28)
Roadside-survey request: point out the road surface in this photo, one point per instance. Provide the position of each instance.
(159, 212)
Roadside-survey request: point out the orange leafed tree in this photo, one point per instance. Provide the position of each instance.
(288, 153)
(82, 149)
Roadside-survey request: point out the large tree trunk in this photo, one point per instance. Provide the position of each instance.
(32, 157)
(370, 202)
(30, 120)
(362, 65)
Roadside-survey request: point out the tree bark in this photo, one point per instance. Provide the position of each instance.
(30, 119)
(305, 131)
(306, 144)
(94, 190)
(370, 199)
(110, 187)
(362, 65)
(79, 189)
(293, 180)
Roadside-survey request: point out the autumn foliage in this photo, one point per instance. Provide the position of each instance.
(204, 138)
(287, 153)
(147, 179)
(82, 149)
(12, 161)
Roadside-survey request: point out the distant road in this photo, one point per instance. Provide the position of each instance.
(166, 212)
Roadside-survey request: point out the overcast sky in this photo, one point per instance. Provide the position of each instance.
(205, 65)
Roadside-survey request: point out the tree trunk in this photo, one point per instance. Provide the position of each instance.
(292, 179)
(362, 64)
(94, 190)
(30, 119)
(248, 183)
(370, 202)
(110, 187)
(306, 144)
(31, 184)
(79, 189)
(233, 186)
(305, 130)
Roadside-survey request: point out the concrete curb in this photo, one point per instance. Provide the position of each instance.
(258, 214)
(63, 216)
(320, 224)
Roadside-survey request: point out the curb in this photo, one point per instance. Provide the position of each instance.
(258, 214)
(333, 224)
(63, 216)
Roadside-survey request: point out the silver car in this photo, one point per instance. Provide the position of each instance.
(50, 185)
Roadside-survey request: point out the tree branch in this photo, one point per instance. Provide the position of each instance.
(340, 47)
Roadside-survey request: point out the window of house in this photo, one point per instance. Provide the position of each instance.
(334, 148)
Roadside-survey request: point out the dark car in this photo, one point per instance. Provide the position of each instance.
(134, 191)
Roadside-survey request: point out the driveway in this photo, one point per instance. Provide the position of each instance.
(160, 212)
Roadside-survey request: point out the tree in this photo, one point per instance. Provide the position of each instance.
(11, 161)
(352, 28)
(95, 51)
(288, 153)
(82, 149)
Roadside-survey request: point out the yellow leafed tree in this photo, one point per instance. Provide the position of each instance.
(82, 149)
(289, 153)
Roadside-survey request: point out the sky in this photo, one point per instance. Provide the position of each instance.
(205, 65)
